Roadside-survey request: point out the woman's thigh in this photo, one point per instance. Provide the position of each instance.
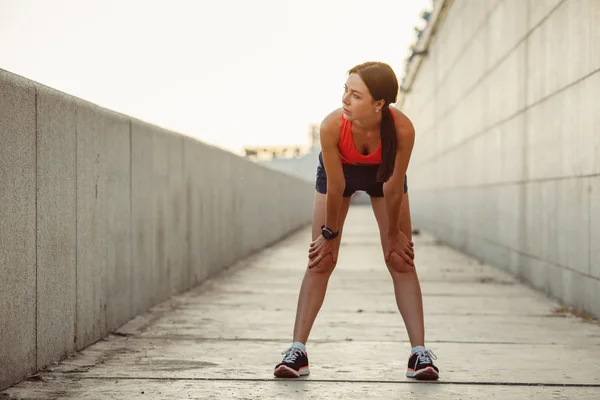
(379, 209)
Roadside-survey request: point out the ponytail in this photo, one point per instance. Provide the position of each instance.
(389, 145)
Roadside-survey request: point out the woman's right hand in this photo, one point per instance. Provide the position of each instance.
(321, 247)
(399, 252)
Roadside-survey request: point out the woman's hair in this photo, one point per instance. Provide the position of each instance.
(383, 85)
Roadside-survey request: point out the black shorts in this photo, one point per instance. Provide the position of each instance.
(358, 177)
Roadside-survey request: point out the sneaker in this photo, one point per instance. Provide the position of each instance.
(294, 364)
(420, 366)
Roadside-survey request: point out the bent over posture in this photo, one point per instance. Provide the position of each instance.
(366, 145)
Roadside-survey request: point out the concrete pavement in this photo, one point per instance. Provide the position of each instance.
(494, 337)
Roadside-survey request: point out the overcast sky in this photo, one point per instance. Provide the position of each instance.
(231, 73)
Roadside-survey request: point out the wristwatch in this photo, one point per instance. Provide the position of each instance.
(328, 233)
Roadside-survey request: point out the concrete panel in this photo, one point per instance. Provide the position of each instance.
(159, 193)
(476, 16)
(573, 288)
(543, 222)
(585, 294)
(477, 122)
(425, 121)
(510, 215)
(536, 61)
(555, 43)
(562, 132)
(192, 157)
(142, 216)
(582, 27)
(424, 88)
(222, 209)
(17, 228)
(546, 128)
(512, 150)
(473, 63)
(488, 251)
(56, 225)
(594, 226)
(536, 272)
(118, 221)
(582, 140)
(239, 165)
(594, 49)
(203, 234)
(541, 9)
(439, 44)
(491, 155)
(170, 210)
(507, 26)
(506, 84)
(574, 218)
(557, 222)
(176, 218)
(91, 224)
(210, 234)
(548, 46)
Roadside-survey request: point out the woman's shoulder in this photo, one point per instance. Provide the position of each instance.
(332, 123)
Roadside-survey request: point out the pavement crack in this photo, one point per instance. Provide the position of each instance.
(361, 381)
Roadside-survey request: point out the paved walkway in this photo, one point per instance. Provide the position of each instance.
(494, 338)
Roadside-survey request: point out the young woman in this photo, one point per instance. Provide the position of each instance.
(366, 145)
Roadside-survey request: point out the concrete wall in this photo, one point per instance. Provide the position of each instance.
(103, 216)
(507, 159)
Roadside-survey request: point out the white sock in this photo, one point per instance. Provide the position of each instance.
(299, 345)
(417, 348)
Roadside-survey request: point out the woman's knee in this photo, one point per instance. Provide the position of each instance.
(325, 266)
(397, 264)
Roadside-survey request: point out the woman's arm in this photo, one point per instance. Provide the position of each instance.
(336, 182)
(393, 189)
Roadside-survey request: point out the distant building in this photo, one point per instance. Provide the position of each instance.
(273, 152)
(267, 153)
(300, 161)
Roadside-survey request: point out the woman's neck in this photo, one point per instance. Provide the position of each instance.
(368, 124)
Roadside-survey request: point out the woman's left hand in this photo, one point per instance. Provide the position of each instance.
(398, 243)
(319, 248)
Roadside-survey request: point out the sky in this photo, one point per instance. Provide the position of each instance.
(231, 73)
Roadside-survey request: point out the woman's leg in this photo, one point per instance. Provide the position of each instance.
(406, 284)
(314, 284)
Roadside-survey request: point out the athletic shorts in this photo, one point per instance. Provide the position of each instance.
(358, 178)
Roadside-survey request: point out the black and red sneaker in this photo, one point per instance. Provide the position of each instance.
(294, 364)
(420, 366)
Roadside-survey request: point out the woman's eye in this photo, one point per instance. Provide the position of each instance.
(356, 97)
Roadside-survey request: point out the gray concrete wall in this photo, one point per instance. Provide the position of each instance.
(103, 216)
(506, 164)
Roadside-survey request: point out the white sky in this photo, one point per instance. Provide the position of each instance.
(229, 72)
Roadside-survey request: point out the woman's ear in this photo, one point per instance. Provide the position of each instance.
(379, 105)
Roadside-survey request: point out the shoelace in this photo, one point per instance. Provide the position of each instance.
(425, 356)
(291, 354)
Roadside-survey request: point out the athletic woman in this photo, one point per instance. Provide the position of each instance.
(366, 146)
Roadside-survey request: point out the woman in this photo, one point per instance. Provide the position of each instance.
(366, 145)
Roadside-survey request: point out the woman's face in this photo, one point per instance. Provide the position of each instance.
(357, 101)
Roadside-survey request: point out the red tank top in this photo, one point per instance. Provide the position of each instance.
(348, 152)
